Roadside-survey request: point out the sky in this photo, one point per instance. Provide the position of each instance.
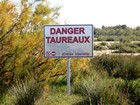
(99, 12)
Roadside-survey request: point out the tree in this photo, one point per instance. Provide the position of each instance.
(21, 43)
(21, 37)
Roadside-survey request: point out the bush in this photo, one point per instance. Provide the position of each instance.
(125, 40)
(134, 91)
(126, 48)
(110, 39)
(100, 92)
(126, 67)
(114, 46)
(99, 47)
(3, 90)
(138, 44)
(25, 93)
(105, 62)
(104, 44)
(102, 38)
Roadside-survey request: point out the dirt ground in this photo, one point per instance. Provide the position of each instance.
(110, 52)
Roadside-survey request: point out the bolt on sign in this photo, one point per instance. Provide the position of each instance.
(68, 41)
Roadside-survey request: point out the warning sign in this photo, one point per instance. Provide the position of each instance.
(68, 41)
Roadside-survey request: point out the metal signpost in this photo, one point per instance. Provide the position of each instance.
(68, 76)
(68, 41)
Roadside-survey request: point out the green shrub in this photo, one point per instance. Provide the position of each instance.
(110, 39)
(100, 92)
(126, 48)
(105, 62)
(138, 44)
(134, 91)
(125, 39)
(25, 93)
(114, 46)
(3, 90)
(101, 38)
(126, 67)
(99, 47)
(95, 38)
(103, 44)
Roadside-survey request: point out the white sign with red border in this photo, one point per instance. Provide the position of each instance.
(68, 41)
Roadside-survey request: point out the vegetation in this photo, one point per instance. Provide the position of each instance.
(124, 68)
(101, 91)
(111, 80)
(25, 93)
(99, 47)
(116, 33)
(125, 47)
(26, 78)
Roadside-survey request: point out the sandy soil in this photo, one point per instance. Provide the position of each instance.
(110, 52)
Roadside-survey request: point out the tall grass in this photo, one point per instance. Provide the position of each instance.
(25, 93)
